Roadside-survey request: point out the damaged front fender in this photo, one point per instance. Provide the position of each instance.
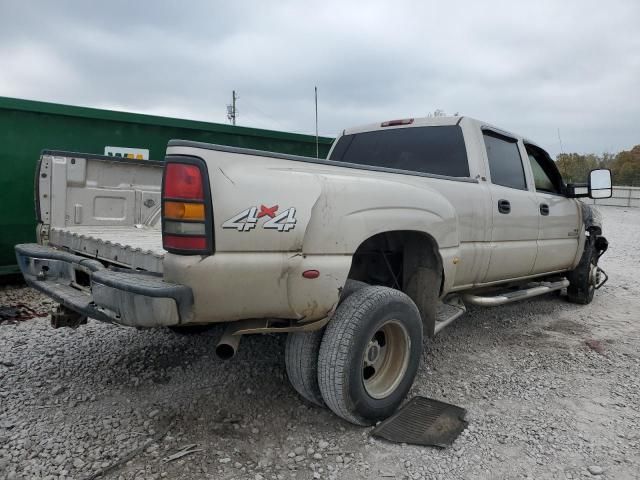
(592, 218)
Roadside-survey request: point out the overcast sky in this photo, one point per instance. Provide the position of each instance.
(532, 69)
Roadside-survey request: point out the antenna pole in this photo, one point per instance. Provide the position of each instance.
(317, 147)
(560, 139)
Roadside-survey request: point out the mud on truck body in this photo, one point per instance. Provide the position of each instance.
(355, 257)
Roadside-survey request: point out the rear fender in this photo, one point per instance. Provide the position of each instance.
(349, 211)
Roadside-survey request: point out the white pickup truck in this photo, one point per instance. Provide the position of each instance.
(356, 256)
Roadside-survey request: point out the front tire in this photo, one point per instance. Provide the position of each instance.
(370, 354)
(583, 279)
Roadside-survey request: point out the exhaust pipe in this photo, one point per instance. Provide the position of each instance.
(228, 344)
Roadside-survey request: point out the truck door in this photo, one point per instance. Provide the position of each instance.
(559, 232)
(515, 214)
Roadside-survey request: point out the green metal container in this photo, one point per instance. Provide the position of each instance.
(28, 127)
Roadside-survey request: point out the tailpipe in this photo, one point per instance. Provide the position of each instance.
(228, 344)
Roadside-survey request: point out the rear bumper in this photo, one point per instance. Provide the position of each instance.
(84, 285)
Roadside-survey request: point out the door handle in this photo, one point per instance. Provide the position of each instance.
(504, 206)
(544, 209)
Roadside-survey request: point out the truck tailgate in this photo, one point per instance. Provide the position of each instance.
(136, 247)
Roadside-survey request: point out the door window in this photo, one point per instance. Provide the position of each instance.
(545, 173)
(542, 180)
(505, 162)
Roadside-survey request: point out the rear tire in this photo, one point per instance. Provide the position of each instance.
(301, 355)
(350, 287)
(370, 354)
(582, 279)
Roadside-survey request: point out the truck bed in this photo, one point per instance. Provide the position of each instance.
(106, 208)
(135, 247)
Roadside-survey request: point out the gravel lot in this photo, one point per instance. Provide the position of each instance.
(552, 391)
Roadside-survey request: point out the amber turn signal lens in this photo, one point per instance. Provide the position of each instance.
(184, 211)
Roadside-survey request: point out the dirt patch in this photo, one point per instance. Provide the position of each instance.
(596, 345)
(567, 327)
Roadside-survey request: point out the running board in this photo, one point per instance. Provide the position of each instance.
(450, 309)
(501, 299)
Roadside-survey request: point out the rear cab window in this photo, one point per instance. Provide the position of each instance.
(435, 150)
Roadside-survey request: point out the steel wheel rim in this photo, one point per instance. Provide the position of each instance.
(386, 359)
(593, 276)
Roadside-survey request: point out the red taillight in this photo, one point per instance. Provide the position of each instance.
(184, 243)
(186, 207)
(183, 181)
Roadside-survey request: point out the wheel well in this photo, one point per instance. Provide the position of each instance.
(406, 260)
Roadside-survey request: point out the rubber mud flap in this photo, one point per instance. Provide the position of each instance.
(424, 421)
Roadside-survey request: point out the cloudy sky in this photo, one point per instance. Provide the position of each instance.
(533, 68)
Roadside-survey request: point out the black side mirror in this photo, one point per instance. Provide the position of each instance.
(600, 183)
(576, 190)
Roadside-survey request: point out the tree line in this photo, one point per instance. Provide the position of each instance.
(624, 166)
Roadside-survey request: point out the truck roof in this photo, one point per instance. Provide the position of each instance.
(431, 122)
(415, 122)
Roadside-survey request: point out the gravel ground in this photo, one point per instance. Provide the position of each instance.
(552, 391)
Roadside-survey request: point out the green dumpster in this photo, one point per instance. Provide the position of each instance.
(28, 127)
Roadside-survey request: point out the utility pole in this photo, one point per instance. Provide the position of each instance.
(232, 113)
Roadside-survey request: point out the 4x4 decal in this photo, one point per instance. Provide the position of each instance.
(247, 219)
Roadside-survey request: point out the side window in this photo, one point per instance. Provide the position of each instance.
(542, 180)
(505, 162)
(545, 174)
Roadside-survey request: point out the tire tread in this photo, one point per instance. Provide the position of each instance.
(578, 290)
(301, 362)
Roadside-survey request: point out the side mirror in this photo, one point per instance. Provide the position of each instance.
(600, 183)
